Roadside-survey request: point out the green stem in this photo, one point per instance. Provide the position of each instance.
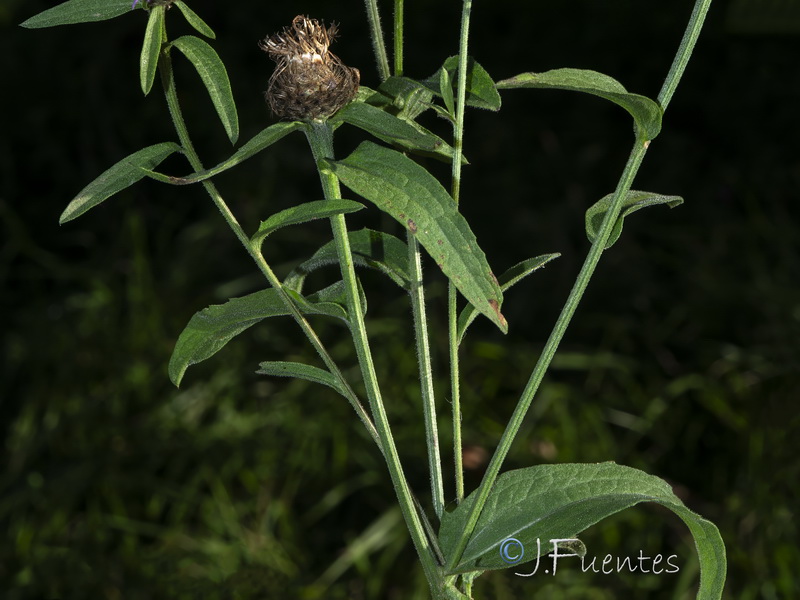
(417, 293)
(634, 161)
(168, 81)
(455, 391)
(452, 305)
(320, 138)
(398, 37)
(378, 45)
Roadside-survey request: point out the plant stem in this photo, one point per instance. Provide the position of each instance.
(452, 295)
(320, 138)
(417, 293)
(398, 37)
(378, 45)
(168, 81)
(634, 161)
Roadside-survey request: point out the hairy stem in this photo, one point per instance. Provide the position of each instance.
(452, 295)
(320, 138)
(398, 37)
(417, 293)
(378, 44)
(634, 161)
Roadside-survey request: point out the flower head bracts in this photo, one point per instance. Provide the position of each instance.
(309, 81)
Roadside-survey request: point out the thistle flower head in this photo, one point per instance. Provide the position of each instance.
(309, 81)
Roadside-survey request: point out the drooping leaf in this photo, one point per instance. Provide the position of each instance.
(256, 144)
(123, 174)
(506, 280)
(393, 130)
(210, 329)
(309, 211)
(151, 48)
(78, 11)
(195, 21)
(373, 249)
(212, 71)
(645, 112)
(481, 89)
(412, 196)
(300, 371)
(549, 502)
(634, 200)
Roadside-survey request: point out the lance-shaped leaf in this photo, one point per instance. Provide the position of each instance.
(260, 141)
(410, 194)
(151, 48)
(309, 211)
(634, 200)
(123, 174)
(506, 280)
(645, 112)
(78, 11)
(370, 248)
(300, 371)
(481, 89)
(394, 130)
(195, 21)
(210, 329)
(212, 71)
(549, 502)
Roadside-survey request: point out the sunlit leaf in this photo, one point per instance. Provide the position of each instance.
(123, 174)
(645, 112)
(256, 144)
(302, 213)
(212, 71)
(412, 196)
(210, 329)
(634, 201)
(300, 371)
(393, 130)
(151, 48)
(481, 91)
(78, 11)
(549, 502)
(195, 21)
(373, 249)
(506, 280)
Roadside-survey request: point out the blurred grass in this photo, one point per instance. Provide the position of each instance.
(682, 361)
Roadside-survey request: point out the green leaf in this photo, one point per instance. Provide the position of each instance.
(393, 130)
(645, 112)
(373, 249)
(211, 70)
(404, 97)
(481, 89)
(256, 144)
(123, 174)
(559, 501)
(300, 371)
(446, 90)
(634, 201)
(210, 329)
(506, 280)
(151, 48)
(319, 209)
(195, 21)
(406, 191)
(78, 11)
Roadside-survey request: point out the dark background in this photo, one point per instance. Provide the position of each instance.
(682, 359)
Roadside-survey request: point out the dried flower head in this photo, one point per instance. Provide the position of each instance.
(309, 81)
